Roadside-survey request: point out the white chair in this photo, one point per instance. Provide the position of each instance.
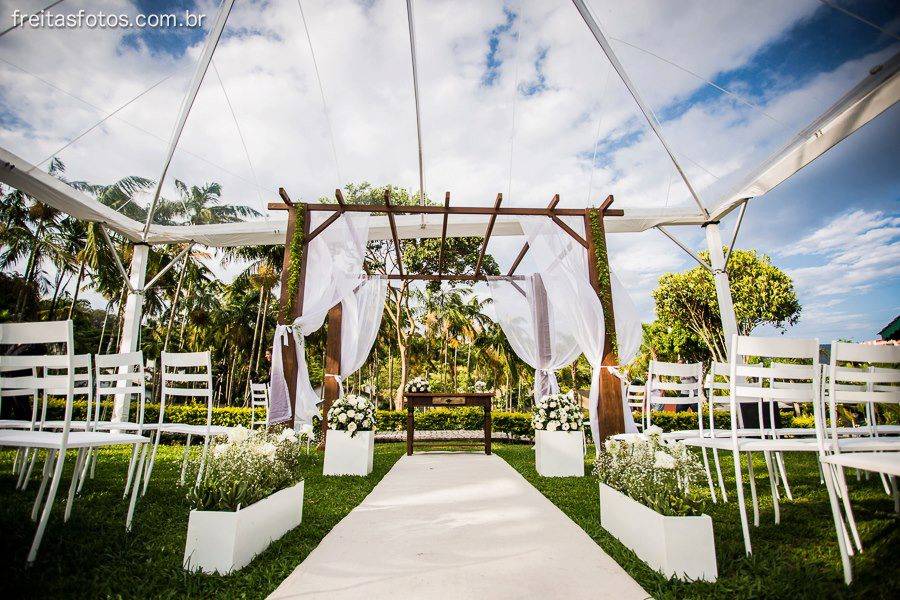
(636, 399)
(56, 443)
(186, 375)
(118, 375)
(259, 398)
(853, 379)
(686, 381)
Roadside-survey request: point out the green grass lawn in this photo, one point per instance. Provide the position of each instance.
(92, 556)
(798, 558)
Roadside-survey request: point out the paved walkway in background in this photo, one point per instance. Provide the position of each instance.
(457, 525)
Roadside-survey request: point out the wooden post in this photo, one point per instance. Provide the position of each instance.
(611, 416)
(332, 365)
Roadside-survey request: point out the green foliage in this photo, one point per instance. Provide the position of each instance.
(294, 275)
(686, 303)
(192, 414)
(598, 234)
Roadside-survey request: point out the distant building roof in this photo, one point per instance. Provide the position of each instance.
(892, 331)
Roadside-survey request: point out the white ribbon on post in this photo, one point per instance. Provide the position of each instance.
(279, 398)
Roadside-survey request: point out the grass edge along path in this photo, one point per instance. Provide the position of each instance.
(797, 559)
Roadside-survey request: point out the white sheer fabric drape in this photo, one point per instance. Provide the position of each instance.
(334, 270)
(562, 264)
(628, 335)
(517, 307)
(360, 320)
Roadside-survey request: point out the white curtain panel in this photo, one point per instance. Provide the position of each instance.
(334, 271)
(562, 264)
(360, 321)
(515, 305)
(628, 335)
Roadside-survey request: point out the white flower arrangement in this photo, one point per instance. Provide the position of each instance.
(352, 413)
(480, 386)
(659, 475)
(418, 385)
(557, 412)
(249, 466)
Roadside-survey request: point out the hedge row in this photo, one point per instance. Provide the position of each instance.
(515, 424)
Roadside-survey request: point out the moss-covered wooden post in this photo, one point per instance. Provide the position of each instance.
(293, 276)
(611, 416)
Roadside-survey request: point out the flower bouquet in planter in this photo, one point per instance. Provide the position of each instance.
(418, 385)
(650, 500)
(558, 438)
(350, 443)
(251, 493)
(480, 387)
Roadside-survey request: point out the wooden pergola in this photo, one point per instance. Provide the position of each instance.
(610, 411)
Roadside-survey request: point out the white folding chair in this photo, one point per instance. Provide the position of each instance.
(186, 375)
(636, 399)
(259, 399)
(686, 381)
(55, 443)
(854, 379)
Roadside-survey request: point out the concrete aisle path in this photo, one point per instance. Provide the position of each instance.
(454, 525)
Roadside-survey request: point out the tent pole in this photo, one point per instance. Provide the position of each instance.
(723, 289)
(131, 323)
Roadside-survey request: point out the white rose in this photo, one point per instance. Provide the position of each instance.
(351, 413)
(342, 418)
(552, 425)
(220, 449)
(287, 434)
(361, 404)
(663, 460)
(565, 426)
(238, 434)
(552, 404)
(351, 427)
(538, 425)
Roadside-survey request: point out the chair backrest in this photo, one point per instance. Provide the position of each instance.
(685, 380)
(50, 373)
(755, 361)
(83, 380)
(862, 374)
(186, 375)
(120, 374)
(259, 398)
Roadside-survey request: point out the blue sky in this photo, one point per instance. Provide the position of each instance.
(513, 97)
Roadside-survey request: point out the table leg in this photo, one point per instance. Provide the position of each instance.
(410, 428)
(487, 429)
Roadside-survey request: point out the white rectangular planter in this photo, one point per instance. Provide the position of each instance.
(679, 546)
(224, 541)
(559, 453)
(346, 455)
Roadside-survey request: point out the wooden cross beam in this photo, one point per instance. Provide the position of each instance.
(487, 234)
(524, 249)
(443, 234)
(390, 214)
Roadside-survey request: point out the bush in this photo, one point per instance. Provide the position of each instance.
(192, 414)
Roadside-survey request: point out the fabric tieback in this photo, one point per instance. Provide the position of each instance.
(339, 381)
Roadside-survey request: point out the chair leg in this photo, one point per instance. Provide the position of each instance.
(84, 468)
(134, 488)
(848, 509)
(779, 461)
(134, 453)
(888, 486)
(29, 470)
(752, 477)
(739, 484)
(709, 479)
(23, 468)
(719, 475)
(152, 460)
(48, 506)
(773, 485)
(70, 500)
(48, 462)
(202, 459)
(839, 530)
(184, 461)
(16, 460)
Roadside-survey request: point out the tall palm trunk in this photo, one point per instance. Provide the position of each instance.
(57, 285)
(78, 289)
(174, 304)
(187, 306)
(29, 270)
(262, 330)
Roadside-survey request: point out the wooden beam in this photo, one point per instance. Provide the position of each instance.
(321, 227)
(340, 199)
(553, 202)
(430, 277)
(431, 209)
(604, 207)
(610, 411)
(487, 234)
(569, 230)
(390, 214)
(332, 366)
(443, 234)
(284, 196)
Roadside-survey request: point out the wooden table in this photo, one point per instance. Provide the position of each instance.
(448, 400)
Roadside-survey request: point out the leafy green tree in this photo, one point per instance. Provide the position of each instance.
(762, 294)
